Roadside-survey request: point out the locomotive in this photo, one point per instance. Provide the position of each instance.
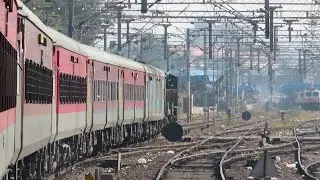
(309, 99)
(62, 101)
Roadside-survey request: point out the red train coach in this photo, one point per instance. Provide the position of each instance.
(34, 107)
(8, 80)
(71, 72)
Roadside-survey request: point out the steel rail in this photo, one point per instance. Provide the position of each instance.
(229, 150)
(302, 167)
(163, 168)
(307, 167)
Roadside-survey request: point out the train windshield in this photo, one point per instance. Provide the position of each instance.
(315, 94)
(308, 94)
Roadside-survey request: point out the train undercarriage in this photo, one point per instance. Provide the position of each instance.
(55, 157)
(310, 106)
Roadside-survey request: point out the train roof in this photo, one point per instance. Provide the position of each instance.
(109, 58)
(153, 70)
(65, 41)
(97, 54)
(25, 11)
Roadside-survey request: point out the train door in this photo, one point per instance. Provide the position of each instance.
(106, 90)
(134, 95)
(120, 96)
(74, 79)
(146, 98)
(90, 99)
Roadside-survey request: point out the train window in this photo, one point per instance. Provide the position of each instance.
(38, 83)
(130, 92)
(108, 91)
(124, 91)
(84, 90)
(105, 91)
(7, 75)
(117, 93)
(138, 92)
(111, 91)
(114, 91)
(315, 94)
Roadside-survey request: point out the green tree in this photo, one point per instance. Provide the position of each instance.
(55, 13)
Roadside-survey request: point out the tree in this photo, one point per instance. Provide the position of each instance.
(55, 14)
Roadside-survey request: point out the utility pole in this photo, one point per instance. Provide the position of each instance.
(105, 38)
(300, 68)
(270, 75)
(80, 33)
(230, 78)
(46, 16)
(105, 25)
(238, 51)
(275, 29)
(71, 11)
(128, 21)
(270, 71)
(211, 59)
(205, 101)
(141, 46)
(258, 61)
(165, 44)
(255, 29)
(304, 64)
(119, 13)
(289, 22)
(188, 74)
(227, 73)
(251, 58)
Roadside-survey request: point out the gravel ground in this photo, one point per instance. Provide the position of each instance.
(132, 170)
(285, 173)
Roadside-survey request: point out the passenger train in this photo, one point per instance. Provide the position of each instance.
(62, 101)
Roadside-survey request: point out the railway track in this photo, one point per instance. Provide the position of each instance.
(140, 151)
(308, 172)
(132, 151)
(191, 160)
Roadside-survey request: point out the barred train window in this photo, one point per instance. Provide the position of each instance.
(38, 83)
(73, 89)
(8, 75)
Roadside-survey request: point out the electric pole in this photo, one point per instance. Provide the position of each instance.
(258, 61)
(165, 44)
(128, 21)
(304, 63)
(188, 74)
(205, 104)
(119, 13)
(289, 22)
(71, 11)
(300, 67)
